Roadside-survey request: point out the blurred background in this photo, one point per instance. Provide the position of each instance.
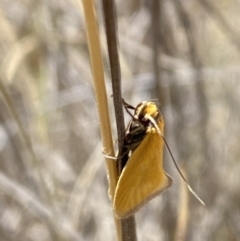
(184, 54)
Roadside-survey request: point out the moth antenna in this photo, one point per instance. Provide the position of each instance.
(150, 118)
(184, 179)
(155, 101)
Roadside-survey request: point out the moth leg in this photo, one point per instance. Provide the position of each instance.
(110, 157)
(116, 157)
(126, 105)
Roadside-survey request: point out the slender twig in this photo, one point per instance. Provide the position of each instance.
(128, 230)
(110, 26)
(101, 96)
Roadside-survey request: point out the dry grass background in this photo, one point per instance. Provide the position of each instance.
(58, 191)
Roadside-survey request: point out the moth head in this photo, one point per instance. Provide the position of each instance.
(148, 115)
(146, 109)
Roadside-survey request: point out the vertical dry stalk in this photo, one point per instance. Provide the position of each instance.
(101, 97)
(128, 229)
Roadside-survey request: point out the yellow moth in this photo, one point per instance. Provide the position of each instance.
(143, 176)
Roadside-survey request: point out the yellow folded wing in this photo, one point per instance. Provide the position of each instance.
(143, 177)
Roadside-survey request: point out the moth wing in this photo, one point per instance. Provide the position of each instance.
(143, 177)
